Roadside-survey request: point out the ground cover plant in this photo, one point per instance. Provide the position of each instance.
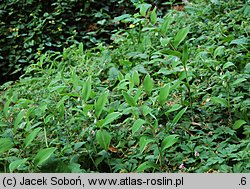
(170, 94)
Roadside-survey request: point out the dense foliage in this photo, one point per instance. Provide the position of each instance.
(30, 28)
(170, 94)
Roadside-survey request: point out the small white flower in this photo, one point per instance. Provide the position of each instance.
(196, 154)
(89, 114)
(182, 166)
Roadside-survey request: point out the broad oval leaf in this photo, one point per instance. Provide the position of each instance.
(144, 8)
(144, 141)
(43, 155)
(17, 163)
(238, 124)
(110, 118)
(103, 138)
(137, 125)
(153, 16)
(166, 24)
(18, 119)
(147, 165)
(238, 81)
(219, 100)
(5, 144)
(168, 142)
(148, 84)
(164, 92)
(31, 137)
(181, 35)
(136, 78)
(130, 100)
(100, 103)
(228, 64)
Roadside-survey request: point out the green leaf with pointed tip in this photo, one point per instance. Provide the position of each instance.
(148, 84)
(238, 81)
(15, 164)
(168, 142)
(86, 90)
(103, 138)
(137, 125)
(136, 78)
(31, 137)
(130, 100)
(181, 35)
(110, 118)
(144, 8)
(219, 100)
(153, 16)
(166, 24)
(174, 108)
(164, 92)
(228, 64)
(43, 155)
(185, 54)
(6, 108)
(238, 124)
(147, 165)
(5, 144)
(179, 115)
(100, 103)
(18, 119)
(144, 141)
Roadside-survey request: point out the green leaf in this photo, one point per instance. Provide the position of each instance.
(122, 17)
(219, 100)
(43, 155)
(86, 90)
(174, 108)
(144, 8)
(100, 103)
(228, 64)
(166, 24)
(110, 118)
(238, 124)
(103, 138)
(147, 165)
(164, 92)
(219, 51)
(181, 35)
(3, 124)
(136, 78)
(168, 142)
(80, 48)
(171, 52)
(31, 136)
(144, 141)
(137, 125)
(6, 108)
(185, 54)
(17, 163)
(18, 119)
(238, 81)
(148, 84)
(153, 16)
(130, 100)
(5, 144)
(179, 115)
(240, 41)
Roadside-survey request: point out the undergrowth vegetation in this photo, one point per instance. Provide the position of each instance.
(170, 94)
